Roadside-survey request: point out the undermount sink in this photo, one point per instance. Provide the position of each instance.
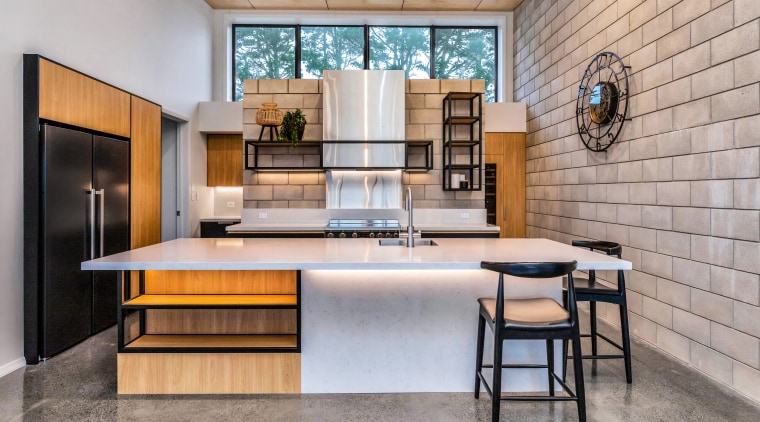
(402, 242)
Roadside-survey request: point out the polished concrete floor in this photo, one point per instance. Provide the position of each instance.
(80, 385)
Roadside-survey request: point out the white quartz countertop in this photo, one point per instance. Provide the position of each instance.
(306, 227)
(286, 227)
(345, 254)
(454, 228)
(218, 218)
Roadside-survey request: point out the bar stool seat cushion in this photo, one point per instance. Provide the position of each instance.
(586, 286)
(529, 313)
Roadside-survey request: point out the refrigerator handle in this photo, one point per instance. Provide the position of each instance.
(102, 194)
(91, 192)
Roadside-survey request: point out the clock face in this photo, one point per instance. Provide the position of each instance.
(602, 103)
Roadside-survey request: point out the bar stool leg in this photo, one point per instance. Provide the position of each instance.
(550, 364)
(479, 355)
(496, 385)
(593, 329)
(626, 342)
(261, 133)
(580, 392)
(564, 360)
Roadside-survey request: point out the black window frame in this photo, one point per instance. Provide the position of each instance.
(432, 29)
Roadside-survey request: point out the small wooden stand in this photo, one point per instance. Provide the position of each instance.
(271, 137)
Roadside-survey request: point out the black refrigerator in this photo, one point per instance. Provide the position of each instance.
(84, 215)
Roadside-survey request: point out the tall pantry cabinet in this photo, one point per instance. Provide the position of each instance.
(61, 101)
(505, 159)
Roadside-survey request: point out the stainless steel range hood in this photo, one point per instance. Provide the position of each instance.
(364, 118)
(363, 108)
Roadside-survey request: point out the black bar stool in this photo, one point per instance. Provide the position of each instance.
(531, 319)
(592, 291)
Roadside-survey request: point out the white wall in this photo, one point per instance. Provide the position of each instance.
(160, 50)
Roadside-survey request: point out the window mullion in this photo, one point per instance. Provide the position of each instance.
(432, 52)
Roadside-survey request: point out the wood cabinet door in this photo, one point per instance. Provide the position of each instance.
(68, 96)
(145, 174)
(224, 162)
(507, 151)
(513, 183)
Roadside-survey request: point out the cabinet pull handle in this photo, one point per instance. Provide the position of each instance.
(91, 192)
(504, 212)
(102, 194)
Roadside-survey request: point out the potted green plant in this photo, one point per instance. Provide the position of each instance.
(292, 127)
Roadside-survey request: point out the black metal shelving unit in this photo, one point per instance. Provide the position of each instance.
(309, 156)
(132, 336)
(462, 140)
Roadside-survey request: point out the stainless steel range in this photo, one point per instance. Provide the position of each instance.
(380, 228)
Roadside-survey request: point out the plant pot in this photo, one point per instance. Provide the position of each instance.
(301, 130)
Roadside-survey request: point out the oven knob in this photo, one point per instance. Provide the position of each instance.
(342, 235)
(380, 235)
(354, 235)
(372, 235)
(330, 235)
(395, 234)
(388, 234)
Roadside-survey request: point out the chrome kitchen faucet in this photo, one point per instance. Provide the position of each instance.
(409, 227)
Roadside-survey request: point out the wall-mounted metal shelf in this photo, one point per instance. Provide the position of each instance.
(462, 140)
(309, 156)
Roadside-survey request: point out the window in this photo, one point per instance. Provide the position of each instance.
(331, 48)
(400, 48)
(263, 52)
(272, 51)
(466, 53)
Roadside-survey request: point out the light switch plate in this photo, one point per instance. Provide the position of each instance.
(230, 204)
(464, 215)
(263, 215)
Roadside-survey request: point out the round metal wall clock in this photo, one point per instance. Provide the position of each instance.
(602, 104)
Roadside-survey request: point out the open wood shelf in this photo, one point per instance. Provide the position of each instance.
(462, 120)
(211, 301)
(232, 311)
(200, 342)
(462, 143)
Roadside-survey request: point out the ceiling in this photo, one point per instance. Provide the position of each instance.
(374, 5)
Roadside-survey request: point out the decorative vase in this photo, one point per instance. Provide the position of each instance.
(269, 115)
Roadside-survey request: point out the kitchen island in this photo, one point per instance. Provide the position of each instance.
(332, 315)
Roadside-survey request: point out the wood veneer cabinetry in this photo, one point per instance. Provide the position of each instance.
(145, 150)
(224, 163)
(70, 97)
(507, 152)
(182, 323)
(61, 96)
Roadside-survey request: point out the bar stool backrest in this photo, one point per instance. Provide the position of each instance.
(533, 270)
(610, 248)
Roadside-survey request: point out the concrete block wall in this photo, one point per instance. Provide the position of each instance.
(296, 189)
(680, 189)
